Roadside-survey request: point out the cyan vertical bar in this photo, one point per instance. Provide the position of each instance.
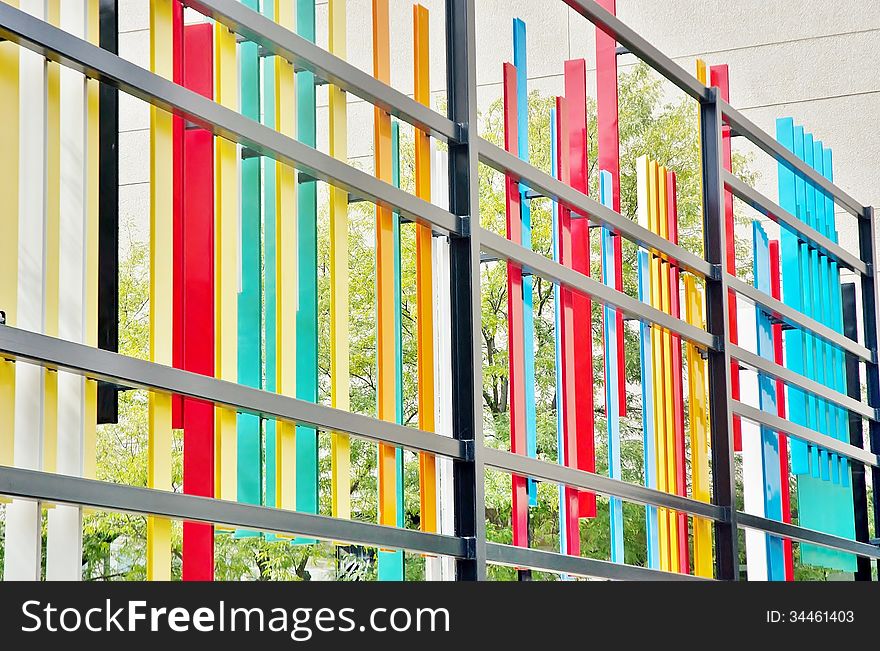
(816, 347)
(522, 117)
(804, 214)
(269, 286)
(824, 307)
(307, 276)
(837, 315)
(391, 566)
(650, 455)
(792, 291)
(250, 363)
(612, 408)
(767, 400)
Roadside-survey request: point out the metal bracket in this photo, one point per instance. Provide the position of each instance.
(464, 225)
(621, 50)
(470, 546)
(468, 449)
(716, 272)
(2, 317)
(247, 152)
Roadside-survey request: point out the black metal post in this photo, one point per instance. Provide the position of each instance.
(854, 390)
(869, 316)
(108, 213)
(464, 265)
(723, 475)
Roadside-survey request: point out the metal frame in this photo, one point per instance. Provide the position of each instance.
(468, 241)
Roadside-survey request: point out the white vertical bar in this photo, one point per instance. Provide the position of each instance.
(752, 460)
(64, 537)
(23, 521)
(443, 357)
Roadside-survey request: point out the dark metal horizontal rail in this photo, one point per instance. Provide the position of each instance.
(637, 45)
(562, 275)
(789, 428)
(140, 374)
(779, 372)
(793, 317)
(806, 232)
(743, 126)
(583, 205)
(546, 471)
(802, 535)
(106, 496)
(304, 54)
(59, 46)
(537, 559)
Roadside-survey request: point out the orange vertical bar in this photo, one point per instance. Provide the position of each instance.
(424, 276)
(384, 269)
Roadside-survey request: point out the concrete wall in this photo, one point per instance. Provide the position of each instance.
(815, 61)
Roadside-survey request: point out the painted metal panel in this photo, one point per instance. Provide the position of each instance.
(576, 141)
(307, 279)
(515, 347)
(522, 116)
(161, 286)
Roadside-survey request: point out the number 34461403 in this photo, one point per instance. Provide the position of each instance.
(810, 616)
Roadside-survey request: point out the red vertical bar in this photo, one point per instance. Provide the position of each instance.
(677, 381)
(569, 397)
(780, 411)
(515, 317)
(576, 143)
(198, 302)
(609, 160)
(177, 283)
(719, 78)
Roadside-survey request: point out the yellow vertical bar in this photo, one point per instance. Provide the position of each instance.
(161, 302)
(424, 276)
(703, 78)
(90, 430)
(697, 404)
(226, 264)
(669, 419)
(52, 241)
(657, 373)
(285, 271)
(340, 447)
(384, 270)
(9, 223)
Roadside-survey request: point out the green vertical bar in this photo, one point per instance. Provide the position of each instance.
(307, 308)
(269, 262)
(250, 371)
(391, 562)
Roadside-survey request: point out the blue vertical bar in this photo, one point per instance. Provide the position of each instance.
(269, 287)
(612, 406)
(522, 120)
(767, 399)
(391, 566)
(560, 457)
(650, 459)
